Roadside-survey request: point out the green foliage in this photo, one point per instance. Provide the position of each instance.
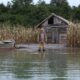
(76, 14)
(21, 3)
(24, 12)
(58, 2)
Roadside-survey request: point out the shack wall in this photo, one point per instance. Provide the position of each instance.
(56, 32)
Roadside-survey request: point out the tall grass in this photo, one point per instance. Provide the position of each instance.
(27, 35)
(20, 34)
(73, 35)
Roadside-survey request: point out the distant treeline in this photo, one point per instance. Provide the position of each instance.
(26, 13)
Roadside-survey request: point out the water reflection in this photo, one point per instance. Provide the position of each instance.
(50, 65)
(58, 65)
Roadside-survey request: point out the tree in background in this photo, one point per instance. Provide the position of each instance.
(76, 14)
(58, 2)
(60, 7)
(21, 2)
(24, 12)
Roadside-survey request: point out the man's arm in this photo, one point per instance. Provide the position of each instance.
(45, 37)
(38, 38)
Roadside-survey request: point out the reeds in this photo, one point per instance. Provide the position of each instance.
(27, 35)
(20, 34)
(73, 35)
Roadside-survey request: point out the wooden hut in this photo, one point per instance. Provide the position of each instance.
(56, 28)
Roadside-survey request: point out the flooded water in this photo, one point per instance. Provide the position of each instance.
(50, 65)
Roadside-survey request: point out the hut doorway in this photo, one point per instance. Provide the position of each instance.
(55, 36)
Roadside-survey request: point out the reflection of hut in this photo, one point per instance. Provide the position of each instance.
(56, 28)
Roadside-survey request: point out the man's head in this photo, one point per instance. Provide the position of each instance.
(42, 30)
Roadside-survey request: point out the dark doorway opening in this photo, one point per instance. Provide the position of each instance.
(51, 21)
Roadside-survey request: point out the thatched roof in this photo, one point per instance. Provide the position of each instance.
(53, 14)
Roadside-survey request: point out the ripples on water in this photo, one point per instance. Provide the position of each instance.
(50, 65)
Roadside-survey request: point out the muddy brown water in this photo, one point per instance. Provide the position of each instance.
(49, 65)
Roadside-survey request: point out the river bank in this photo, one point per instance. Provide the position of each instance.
(34, 47)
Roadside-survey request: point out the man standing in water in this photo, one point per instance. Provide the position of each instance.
(42, 39)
